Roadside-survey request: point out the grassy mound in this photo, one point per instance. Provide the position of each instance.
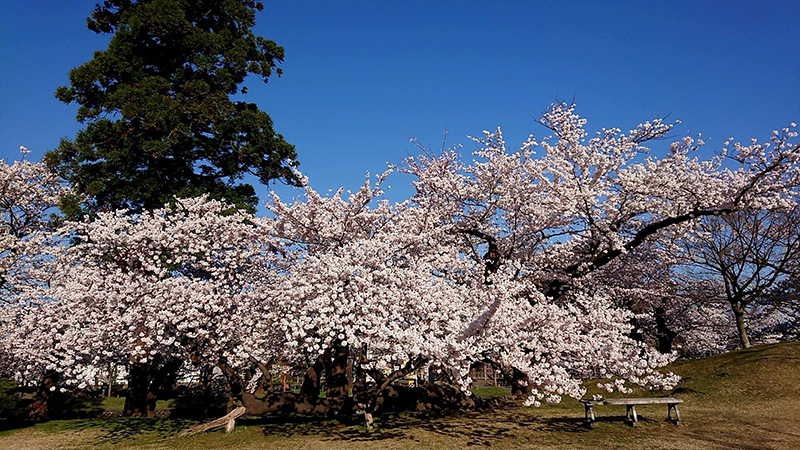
(761, 373)
(745, 399)
(748, 399)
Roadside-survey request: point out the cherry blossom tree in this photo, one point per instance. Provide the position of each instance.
(553, 219)
(393, 283)
(29, 192)
(786, 298)
(149, 292)
(671, 306)
(363, 285)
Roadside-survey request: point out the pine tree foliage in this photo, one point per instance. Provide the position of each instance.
(160, 120)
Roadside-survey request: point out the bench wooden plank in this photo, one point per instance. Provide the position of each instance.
(642, 401)
(632, 401)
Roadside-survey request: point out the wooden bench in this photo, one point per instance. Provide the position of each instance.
(630, 407)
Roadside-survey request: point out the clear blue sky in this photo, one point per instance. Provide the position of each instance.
(362, 77)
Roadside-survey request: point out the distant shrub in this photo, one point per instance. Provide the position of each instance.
(9, 401)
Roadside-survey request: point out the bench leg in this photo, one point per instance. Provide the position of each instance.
(677, 414)
(670, 408)
(588, 414)
(630, 414)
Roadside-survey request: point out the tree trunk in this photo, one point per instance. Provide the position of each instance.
(306, 402)
(146, 382)
(206, 377)
(235, 382)
(338, 380)
(162, 382)
(636, 333)
(112, 377)
(519, 383)
(136, 397)
(359, 375)
(228, 421)
(738, 313)
(665, 336)
(311, 381)
(368, 398)
(43, 406)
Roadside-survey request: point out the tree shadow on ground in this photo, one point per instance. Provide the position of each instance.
(63, 408)
(476, 428)
(80, 408)
(123, 428)
(116, 430)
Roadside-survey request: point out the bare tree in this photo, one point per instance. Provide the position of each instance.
(749, 253)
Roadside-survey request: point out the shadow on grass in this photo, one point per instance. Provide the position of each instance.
(66, 408)
(123, 428)
(476, 428)
(119, 429)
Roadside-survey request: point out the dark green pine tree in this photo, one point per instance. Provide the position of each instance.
(160, 122)
(156, 103)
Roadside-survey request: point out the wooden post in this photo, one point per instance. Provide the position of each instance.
(229, 421)
(368, 420)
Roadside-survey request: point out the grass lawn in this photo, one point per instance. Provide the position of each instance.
(116, 404)
(740, 400)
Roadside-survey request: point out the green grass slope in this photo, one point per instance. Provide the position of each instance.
(747, 399)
